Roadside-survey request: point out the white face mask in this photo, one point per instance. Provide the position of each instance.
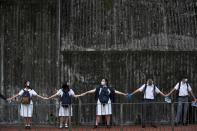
(28, 84)
(186, 80)
(102, 83)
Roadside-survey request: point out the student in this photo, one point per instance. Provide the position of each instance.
(183, 89)
(26, 109)
(150, 91)
(65, 109)
(104, 96)
(2, 97)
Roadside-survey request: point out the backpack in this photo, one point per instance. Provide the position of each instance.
(111, 95)
(177, 92)
(102, 94)
(26, 98)
(65, 99)
(154, 91)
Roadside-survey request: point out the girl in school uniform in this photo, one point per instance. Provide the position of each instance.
(26, 109)
(103, 101)
(65, 109)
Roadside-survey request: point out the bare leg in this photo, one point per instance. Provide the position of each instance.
(97, 120)
(107, 118)
(29, 120)
(61, 121)
(66, 120)
(25, 121)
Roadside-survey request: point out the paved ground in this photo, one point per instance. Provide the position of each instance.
(89, 128)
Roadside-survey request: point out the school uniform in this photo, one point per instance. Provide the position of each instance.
(104, 109)
(62, 110)
(26, 110)
(182, 101)
(148, 108)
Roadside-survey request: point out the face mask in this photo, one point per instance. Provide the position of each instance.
(186, 80)
(150, 83)
(102, 83)
(28, 83)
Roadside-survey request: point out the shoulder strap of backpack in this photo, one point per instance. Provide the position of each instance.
(65, 91)
(179, 86)
(144, 90)
(154, 91)
(25, 91)
(97, 92)
(28, 92)
(177, 92)
(187, 88)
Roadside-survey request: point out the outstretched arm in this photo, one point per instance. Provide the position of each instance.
(45, 98)
(52, 96)
(120, 93)
(88, 92)
(161, 93)
(9, 99)
(136, 91)
(171, 92)
(76, 96)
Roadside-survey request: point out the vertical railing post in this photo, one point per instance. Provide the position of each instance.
(2, 64)
(121, 117)
(58, 35)
(172, 116)
(58, 67)
(69, 119)
(79, 111)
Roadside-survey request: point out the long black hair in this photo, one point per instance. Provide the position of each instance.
(65, 87)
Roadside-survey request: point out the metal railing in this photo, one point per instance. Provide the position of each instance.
(125, 116)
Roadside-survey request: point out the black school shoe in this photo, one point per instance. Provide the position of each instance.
(177, 124)
(96, 126)
(153, 125)
(185, 124)
(27, 127)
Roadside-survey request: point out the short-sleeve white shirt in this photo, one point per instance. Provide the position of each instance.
(149, 93)
(60, 92)
(31, 92)
(183, 91)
